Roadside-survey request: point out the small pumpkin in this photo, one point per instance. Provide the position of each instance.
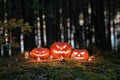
(42, 53)
(61, 49)
(82, 55)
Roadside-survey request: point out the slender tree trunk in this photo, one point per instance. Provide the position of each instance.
(1, 9)
(16, 8)
(100, 25)
(93, 8)
(50, 22)
(65, 16)
(109, 25)
(56, 7)
(78, 27)
(15, 11)
(28, 16)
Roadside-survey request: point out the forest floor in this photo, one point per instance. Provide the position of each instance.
(105, 66)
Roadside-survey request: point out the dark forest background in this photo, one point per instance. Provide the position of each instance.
(82, 23)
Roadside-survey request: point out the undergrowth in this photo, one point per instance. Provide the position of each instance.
(105, 67)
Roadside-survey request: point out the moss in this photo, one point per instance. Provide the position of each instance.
(16, 68)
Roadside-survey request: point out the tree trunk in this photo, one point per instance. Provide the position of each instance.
(100, 25)
(50, 22)
(28, 16)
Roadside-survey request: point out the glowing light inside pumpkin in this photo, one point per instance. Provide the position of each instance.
(80, 55)
(42, 53)
(61, 52)
(60, 49)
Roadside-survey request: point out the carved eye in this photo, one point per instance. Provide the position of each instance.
(75, 53)
(64, 46)
(43, 51)
(36, 51)
(82, 53)
(58, 46)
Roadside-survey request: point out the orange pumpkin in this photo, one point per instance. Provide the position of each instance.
(61, 49)
(42, 53)
(82, 55)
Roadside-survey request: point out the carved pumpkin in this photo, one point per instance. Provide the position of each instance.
(41, 53)
(82, 55)
(60, 49)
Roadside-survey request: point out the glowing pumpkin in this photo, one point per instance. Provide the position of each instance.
(61, 49)
(82, 55)
(42, 53)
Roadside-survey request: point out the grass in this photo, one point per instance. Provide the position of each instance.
(103, 67)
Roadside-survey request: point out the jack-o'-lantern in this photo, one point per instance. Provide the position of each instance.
(40, 53)
(61, 49)
(82, 55)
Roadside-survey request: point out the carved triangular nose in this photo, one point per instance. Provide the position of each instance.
(60, 48)
(79, 55)
(39, 52)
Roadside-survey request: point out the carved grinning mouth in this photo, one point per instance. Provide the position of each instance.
(61, 52)
(39, 55)
(79, 58)
(42, 53)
